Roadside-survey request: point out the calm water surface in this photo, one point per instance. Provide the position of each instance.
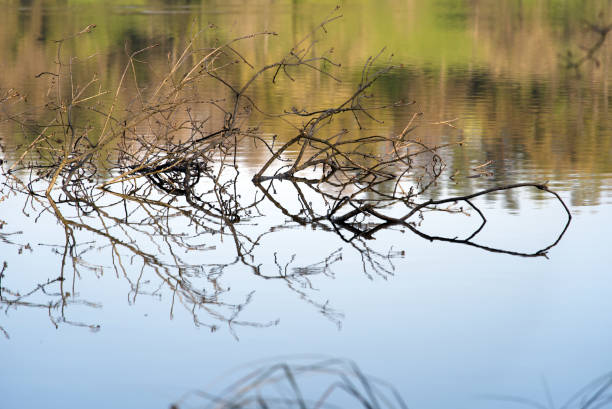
(445, 323)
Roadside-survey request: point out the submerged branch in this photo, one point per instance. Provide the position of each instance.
(152, 182)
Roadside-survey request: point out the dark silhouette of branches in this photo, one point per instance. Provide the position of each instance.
(600, 31)
(152, 179)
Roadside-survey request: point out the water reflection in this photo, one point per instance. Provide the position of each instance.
(499, 70)
(154, 205)
(148, 175)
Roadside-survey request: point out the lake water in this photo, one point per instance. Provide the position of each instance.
(155, 303)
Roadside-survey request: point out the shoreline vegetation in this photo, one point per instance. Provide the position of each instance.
(315, 383)
(511, 60)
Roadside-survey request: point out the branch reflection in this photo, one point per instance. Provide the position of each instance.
(142, 180)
